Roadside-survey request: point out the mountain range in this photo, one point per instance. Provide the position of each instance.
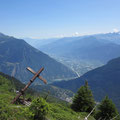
(81, 53)
(112, 37)
(16, 55)
(99, 47)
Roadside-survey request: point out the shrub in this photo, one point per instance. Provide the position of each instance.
(39, 108)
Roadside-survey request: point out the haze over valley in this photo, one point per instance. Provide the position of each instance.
(82, 53)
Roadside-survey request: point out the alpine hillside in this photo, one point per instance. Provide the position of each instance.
(103, 81)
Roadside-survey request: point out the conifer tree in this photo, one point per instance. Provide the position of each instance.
(83, 101)
(107, 110)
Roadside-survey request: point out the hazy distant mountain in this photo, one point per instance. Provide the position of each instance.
(113, 37)
(39, 42)
(103, 81)
(16, 55)
(101, 47)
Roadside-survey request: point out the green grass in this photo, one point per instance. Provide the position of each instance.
(58, 110)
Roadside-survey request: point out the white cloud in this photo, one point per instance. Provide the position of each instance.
(75, 34)
(115, 30)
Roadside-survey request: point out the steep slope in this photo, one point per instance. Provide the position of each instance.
(8, 87)
(91, 48)
(11, 84)
(103, 81)
(58, 109)
(57, 92)
(16, 55)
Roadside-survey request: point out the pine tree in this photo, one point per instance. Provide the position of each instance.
(107, 110)
(83, 101)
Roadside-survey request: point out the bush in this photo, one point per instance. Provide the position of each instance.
(39, 108)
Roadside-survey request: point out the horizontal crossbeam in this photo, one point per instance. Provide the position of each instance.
(32, 71)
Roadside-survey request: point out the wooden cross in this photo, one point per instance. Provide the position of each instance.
(36, 74)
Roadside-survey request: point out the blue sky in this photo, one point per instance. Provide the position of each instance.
(53, 18)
